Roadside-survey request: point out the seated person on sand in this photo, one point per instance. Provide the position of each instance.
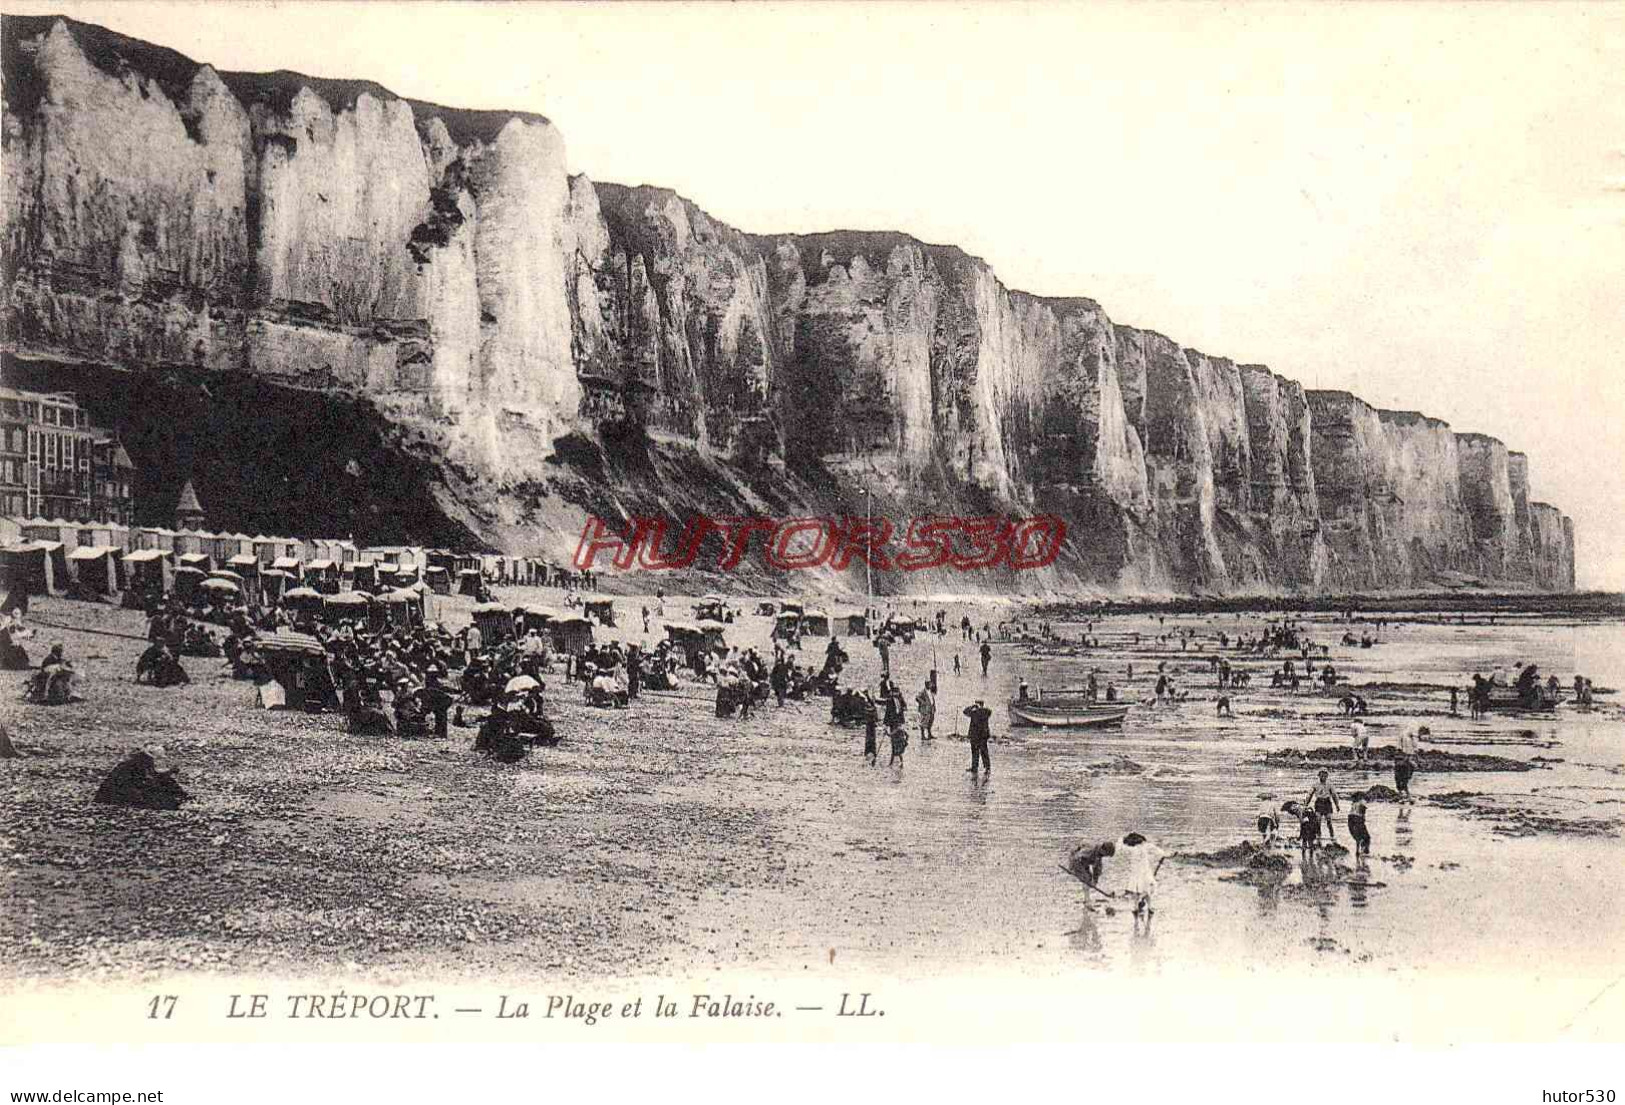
(14, 657)
(53, 683)
(411, 718)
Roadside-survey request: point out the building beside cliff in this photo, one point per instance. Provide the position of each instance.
(55, 464)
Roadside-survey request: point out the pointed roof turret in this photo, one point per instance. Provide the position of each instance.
(189, 503)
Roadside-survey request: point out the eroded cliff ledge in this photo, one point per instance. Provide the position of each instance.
(540, 344)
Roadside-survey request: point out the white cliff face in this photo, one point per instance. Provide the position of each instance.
(340, 192)
(443, 267)
(521, 235)
(1486, 485)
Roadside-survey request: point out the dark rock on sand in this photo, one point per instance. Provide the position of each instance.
(1427, 760)
(137, 782)
(1241, 854)
(1117, 765)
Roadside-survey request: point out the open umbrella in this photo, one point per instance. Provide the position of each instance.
(520, 683)
(222, 586)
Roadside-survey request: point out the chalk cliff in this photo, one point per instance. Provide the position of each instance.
(540, 344)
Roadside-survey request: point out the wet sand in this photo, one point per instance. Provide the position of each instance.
(660, 840)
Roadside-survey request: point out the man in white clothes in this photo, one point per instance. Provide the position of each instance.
(1405, 760)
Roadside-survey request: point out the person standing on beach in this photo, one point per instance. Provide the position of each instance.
(1357, 828)
(1308, 829)
(987, 654)
(871, 718)
(899, 740)
(927, 707)
(1359, 743)
(956, 663)
(1405, 759)
(1144, 860)
(1323, 800)
(979, 736)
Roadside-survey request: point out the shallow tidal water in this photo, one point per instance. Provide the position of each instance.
(939, 872)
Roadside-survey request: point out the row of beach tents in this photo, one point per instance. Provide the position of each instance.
(316, 559)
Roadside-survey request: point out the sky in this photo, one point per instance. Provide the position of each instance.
(1423, 204)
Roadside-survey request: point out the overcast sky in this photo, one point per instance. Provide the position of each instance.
(1423, 204)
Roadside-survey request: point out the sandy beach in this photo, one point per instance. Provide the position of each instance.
(660, 840)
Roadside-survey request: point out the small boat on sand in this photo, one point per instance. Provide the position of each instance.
(1064, 710)
(1507, 701)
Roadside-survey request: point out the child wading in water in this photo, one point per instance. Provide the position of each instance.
(1269, 824)
(1357, 829)
(1323, 800)
(1308, 830)
(1144, 859)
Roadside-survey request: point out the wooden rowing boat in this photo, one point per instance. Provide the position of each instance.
(1067, 712)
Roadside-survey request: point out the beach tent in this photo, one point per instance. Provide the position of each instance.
(289, 564)
(97, 571)
(855, 622)
(246, 567)
(323, 574)
(299, 670)
(406, 575)
(148, 572)
(791, 606)
(185, 582)
(714, 607)
(602, 609)
(815, 623)
(402, 606)
(713, 631)
(302, 600)
(689, 641)
(571, 634)
(495, 622)
(273, 582)
(784, 626)
(348, 606)
(539, 618)
(468, 582)
(438, 580)
(201, 561)
(767, 608)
